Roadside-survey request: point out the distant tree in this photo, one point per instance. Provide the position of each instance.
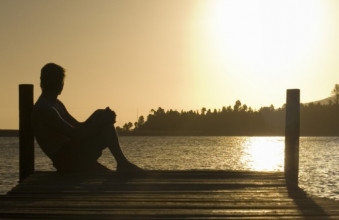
(237, 106)
(203, 111)
(244, 108)
(159, 112)
(141, 121)
(335, 92)
(127, 126)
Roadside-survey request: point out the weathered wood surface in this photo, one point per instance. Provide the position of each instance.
(162, 195)
(292, 133)
(26, 137)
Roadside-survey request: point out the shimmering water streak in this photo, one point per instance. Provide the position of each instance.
(264, 153)
(222, 153)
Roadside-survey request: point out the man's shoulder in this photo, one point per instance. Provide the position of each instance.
(41, 104)
(60, 103)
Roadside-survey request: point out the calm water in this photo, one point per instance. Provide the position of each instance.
(319, 158)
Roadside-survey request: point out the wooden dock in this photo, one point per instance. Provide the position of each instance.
(162, 195)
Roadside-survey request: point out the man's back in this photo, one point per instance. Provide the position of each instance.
(46, 120)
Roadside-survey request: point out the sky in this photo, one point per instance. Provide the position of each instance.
(138, 55)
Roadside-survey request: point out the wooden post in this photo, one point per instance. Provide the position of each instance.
(26, 138)
(292, 132)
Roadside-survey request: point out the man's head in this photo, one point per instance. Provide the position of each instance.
(52, 78)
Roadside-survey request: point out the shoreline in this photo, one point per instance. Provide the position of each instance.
(9, 133)
(15, 133)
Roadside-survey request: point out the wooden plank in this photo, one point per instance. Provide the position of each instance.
(169, 213)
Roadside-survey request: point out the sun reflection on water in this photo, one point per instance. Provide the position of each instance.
(264, 153)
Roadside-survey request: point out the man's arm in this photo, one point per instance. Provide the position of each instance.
(52, 118)
(93, 124)
(68, 117)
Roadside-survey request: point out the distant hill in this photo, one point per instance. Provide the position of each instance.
(9, 133)
(325, 101)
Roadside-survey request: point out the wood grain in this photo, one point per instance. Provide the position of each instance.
(162, 195)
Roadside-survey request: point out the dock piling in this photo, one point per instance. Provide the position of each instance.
(292, 133)
(26, 138)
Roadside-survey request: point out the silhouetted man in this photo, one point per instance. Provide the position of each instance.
(72, 145)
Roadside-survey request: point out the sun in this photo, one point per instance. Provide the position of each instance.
(265, 36)
(255, 42)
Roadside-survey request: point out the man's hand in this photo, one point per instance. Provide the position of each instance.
(102, 117)
(111, 116)
(95, 122)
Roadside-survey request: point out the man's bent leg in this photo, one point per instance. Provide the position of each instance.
(70, 159)
(80, 156)
(110, 136)
(112, 139)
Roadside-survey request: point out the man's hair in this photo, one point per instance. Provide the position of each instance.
(52, 76)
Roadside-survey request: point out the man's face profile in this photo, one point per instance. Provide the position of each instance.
(61, 87)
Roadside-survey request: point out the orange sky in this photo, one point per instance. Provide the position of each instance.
(135, 55)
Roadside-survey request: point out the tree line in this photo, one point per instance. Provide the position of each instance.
(239, 119)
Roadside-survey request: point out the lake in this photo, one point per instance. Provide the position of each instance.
(319, 157)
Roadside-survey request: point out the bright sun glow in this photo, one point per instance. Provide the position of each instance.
(263, 154)
(265, 37)
(262, 44)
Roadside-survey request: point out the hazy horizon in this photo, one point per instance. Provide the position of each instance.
(135, 56)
